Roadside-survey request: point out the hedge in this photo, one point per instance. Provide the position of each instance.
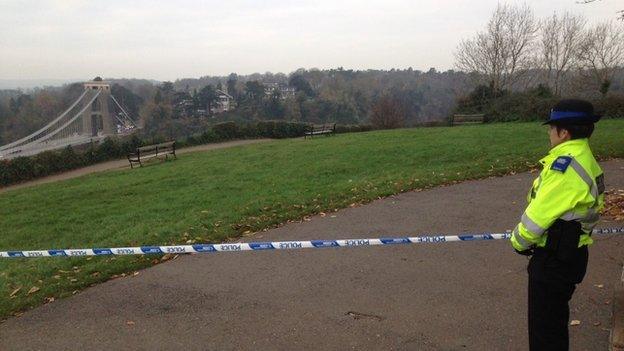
(532, 105)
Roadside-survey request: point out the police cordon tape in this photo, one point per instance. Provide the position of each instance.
(275, 245)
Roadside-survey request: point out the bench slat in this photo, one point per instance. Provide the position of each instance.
(468, 119)
(316, 129)
(151, 151)
(156, 146)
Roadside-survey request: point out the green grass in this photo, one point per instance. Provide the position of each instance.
(219, 195)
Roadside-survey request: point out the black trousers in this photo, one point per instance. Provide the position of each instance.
(551, 284)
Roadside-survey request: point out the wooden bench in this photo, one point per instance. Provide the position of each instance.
(467, 119)
(320, 129)
(145, 153)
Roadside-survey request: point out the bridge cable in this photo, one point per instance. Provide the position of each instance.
(10, 145)
(123, 111)
(71, 120)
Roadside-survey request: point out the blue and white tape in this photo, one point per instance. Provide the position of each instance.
(258, 246)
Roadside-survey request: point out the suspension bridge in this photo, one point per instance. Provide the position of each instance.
(93, 116)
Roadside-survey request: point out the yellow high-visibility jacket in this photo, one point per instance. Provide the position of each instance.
(570, 187)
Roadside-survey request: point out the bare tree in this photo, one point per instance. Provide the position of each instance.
(503, 51)
(561, 39)
(602, 51)
(387, 113)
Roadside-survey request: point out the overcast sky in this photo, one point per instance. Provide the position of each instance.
(165, 40)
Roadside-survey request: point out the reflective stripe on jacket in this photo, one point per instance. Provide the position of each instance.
(570, 187)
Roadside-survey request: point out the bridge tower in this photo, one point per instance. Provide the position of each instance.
(96, 119)
(95, 115)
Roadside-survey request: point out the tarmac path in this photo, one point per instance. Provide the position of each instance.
(123, 164)
(453, 296)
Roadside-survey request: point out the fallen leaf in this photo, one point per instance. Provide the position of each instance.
(14, 292)
(73, 280)
(614, 205)
(129, 322)
(56, 277)
(33, 290)
(599, 286)
(575, 322)
(49, 299)
(596, 324)
(135, 274)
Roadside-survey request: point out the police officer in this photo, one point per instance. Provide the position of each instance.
(556, 226)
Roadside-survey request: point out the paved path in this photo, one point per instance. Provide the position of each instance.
(455, 296)
(123, 164)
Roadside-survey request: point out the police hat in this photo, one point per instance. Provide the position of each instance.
(573, 111)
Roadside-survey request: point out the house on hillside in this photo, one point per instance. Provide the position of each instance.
(225, 102)
(285, 91)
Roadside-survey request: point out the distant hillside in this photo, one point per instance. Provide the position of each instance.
(26, 84)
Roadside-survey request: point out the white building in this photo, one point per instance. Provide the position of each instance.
(224, 102)
(284, 90)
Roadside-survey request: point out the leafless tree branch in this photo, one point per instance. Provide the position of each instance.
(561, 39)
(602, 51)
(503, 51)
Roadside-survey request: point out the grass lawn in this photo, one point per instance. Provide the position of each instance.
(218, 195)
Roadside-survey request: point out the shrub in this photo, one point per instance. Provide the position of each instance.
(532, 105)
(130, 145)
(226, 131)
(611, 106)
(353, 128)
(22, 168)
(279, 129)
(208, 136)
(108, 149)
(190, 141)
(47, 162)
(5, 172)
(387, 113)
(70, 159)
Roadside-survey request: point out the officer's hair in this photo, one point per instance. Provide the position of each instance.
(577, 131)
